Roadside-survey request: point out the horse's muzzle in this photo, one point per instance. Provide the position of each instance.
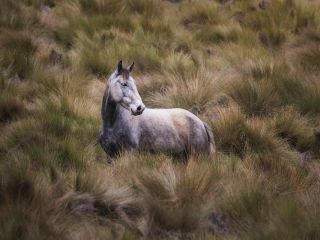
(138, 112)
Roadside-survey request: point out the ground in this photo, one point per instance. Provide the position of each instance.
(249, 68)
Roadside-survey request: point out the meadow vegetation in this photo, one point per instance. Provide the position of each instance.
(249, 68)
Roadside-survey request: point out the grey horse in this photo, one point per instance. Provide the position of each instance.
(127, 124)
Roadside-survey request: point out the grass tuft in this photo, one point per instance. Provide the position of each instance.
(202, 13)
(288, 124)
(219, 34)
(248, 68)
(16, 53)
(178, 197)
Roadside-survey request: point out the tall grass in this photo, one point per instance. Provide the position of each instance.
(178, 197)
(247, 68)
(16, 53)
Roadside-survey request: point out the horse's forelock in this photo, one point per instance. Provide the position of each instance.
(124, 73)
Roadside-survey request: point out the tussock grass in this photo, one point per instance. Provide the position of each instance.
(168, 192)
(276, 83)
(191, 91)
(92, 54)
(11, 105)
(255, 98)
(101, 7)
(16, 53)
(246, 205)
(289, 125)
(119, 205)
(235, 134)
(17, 16)
(277, 20)
(179, 63)
(248, 68)
(284, 212)
(219, 34)
(148, 8)
(90, 25)
(309, 58)
(202, 13)
(27, 200)
(158, 28)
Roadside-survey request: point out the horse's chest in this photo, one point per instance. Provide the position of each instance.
(120, 136)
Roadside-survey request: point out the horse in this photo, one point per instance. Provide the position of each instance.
(128, 125)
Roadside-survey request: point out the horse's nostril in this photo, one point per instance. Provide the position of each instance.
(139, 108)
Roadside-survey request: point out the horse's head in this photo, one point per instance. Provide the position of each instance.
(123, 90)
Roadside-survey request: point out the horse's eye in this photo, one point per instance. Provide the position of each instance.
(124, 84)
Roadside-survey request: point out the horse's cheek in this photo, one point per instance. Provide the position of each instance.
(126, 100)
(116, 94)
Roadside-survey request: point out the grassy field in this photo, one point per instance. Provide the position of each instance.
(249, 68)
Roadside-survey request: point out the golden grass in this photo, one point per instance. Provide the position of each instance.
(248, 68)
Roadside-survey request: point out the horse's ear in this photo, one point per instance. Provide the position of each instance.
(120, 66)
(131, 67)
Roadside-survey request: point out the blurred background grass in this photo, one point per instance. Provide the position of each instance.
(249, 68)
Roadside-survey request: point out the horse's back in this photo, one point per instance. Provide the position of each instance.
(173, 129)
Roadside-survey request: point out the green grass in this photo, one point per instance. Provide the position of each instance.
(218, 35)
(11, 105)
(178, 197)
(202, 13)
(248, 68)
(289, 125)
(16, 53)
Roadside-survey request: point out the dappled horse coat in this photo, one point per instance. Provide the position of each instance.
(128, 125)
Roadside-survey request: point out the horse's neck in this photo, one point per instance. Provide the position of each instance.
(109, 110)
